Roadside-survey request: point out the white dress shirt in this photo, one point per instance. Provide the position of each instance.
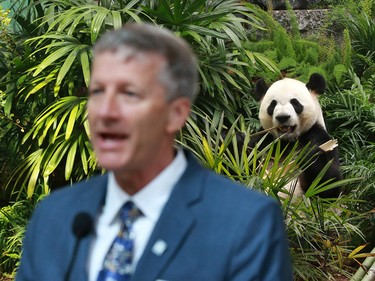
(150, 200)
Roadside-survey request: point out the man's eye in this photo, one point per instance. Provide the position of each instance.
(95, 91)
(130, 93)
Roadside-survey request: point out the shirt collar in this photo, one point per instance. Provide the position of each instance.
(152, 198)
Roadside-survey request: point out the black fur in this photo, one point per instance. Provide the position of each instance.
(316, 83)
(298, 107)
(260, 89)
(316, 136)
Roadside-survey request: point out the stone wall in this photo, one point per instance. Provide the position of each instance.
(309, 20)
(296, 4)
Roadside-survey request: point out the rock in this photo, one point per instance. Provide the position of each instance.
(280, 4)
(308, 20)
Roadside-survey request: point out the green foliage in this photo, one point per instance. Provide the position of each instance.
(339, 73)
(319, 230)
(58, 145)
(352, 111)
(362, 33)
(357, 20)
(293, 20)
(346, 48)
(350, 115)
(54, 81)
(296, 56)
(319, 234)
(13, 220)
(367, 7)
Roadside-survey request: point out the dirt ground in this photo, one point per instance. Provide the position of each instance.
(338, 277)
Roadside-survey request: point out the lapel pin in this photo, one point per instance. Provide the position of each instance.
(159, 247)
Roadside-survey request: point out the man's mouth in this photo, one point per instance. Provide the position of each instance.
(112, 136)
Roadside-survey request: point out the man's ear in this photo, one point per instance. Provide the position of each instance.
(179, 110)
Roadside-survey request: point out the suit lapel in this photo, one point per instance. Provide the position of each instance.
(90, 202)
(173, 225)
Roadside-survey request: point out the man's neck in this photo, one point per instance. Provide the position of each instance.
(133, 181)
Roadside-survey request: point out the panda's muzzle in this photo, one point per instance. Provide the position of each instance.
(286, 129)
(282, 119)
(283, 128)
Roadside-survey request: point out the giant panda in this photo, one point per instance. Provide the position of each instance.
(293, 110)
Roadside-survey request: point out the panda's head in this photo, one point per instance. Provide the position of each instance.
(290, 105)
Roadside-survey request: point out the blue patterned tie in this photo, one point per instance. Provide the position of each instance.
(118, 261)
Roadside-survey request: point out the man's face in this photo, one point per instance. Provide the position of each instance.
(131, 123)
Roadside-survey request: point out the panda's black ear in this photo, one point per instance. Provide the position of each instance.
(316, 83)
(260, 89)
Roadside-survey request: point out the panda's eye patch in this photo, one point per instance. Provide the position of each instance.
(298, 107)
(271, 107)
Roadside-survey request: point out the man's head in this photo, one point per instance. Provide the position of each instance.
(180, 73)
(142, 86)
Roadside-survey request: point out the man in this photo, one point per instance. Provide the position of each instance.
(192, 223)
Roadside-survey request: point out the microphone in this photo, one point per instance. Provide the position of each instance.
(82, 226)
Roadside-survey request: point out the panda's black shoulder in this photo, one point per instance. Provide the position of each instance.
(261, 140)
(316, 135)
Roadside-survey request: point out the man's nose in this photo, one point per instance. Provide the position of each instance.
(109, 106)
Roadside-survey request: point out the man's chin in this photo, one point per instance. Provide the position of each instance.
(111, 163)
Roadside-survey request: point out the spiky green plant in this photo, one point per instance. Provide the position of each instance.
(351, 112)
(357, 18)
(320, 231)
(13, 221)
(295, 56)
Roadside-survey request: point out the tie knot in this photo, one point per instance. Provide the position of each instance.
(129, 212)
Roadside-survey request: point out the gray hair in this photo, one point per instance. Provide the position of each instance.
(180, 73)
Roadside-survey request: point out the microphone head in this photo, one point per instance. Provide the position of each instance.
(82, 225)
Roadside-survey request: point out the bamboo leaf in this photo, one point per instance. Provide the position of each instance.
(35, 169)
(208, 153)
(67, 65)
(59, 126)
(117, 21)
(71, 121)
(206, 31)
(85, 64)
(77, 19)
(83, 158)
(48, 79)
(52, 58)
(232, 36)
(70, 160)
(32, 169)
(97, 23)
(56, 158)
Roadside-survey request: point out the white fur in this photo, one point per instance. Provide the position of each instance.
(283, 91)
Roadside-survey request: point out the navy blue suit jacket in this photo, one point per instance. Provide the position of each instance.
(213, 230)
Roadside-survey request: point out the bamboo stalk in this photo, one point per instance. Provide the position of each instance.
(264, 131)
(370, 276)
(369, 266)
